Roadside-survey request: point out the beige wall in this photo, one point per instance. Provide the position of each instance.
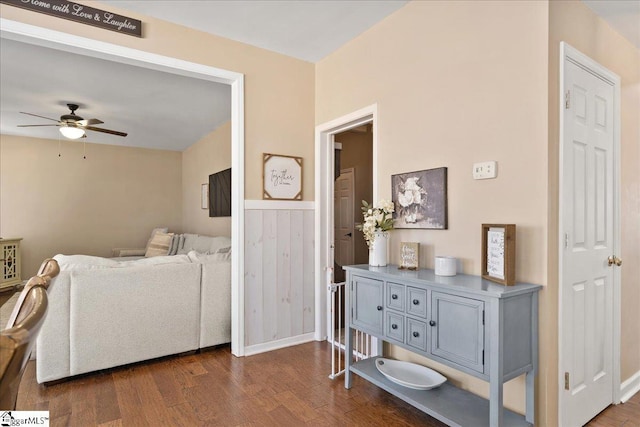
(209, 155)
(279, 90)
(457, 83)
(69, 205)
(576, 24)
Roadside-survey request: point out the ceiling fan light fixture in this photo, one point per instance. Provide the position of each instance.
(71, 132)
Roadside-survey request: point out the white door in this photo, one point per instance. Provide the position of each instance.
(587, 241)
(344, 217)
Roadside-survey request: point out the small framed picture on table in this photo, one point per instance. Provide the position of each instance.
(499, 253)
(409, 255)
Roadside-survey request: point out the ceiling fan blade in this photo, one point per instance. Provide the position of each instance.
(112, 132)
(42, 117)
(89, 122)
(29, 126)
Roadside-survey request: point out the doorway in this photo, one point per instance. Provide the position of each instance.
(329, 300)
(49, 38)
(324, 212)
(589, 274)
(353, 184)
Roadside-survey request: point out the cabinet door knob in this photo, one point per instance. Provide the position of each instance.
(379, 308)
(432, 323)
(416, 302)
(416, 334)
(394, 326)
(394, 296)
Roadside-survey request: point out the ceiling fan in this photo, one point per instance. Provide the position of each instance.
(73, 126)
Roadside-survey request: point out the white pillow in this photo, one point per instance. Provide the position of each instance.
(188, 244)
(173, 249)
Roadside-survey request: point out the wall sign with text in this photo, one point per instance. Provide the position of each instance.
(281, 177)
(499, 253)
(81, 13)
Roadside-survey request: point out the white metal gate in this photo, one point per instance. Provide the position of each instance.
(361, 343)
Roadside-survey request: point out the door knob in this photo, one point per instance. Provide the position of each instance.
(614, 260)
(348, 235)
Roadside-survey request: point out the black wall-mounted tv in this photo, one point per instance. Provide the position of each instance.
(220, 193)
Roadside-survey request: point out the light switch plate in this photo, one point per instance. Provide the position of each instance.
(485, 170)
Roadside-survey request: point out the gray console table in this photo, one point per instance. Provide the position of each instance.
(479, 327)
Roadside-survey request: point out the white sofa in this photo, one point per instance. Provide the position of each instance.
(105, 312)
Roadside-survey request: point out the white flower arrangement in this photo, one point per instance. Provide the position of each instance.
(378, 218)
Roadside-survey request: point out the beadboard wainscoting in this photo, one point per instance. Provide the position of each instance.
(279, 274)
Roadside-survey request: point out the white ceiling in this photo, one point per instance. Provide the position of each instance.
(167, 111)
(156, 109)
(312, 29)
(305, 29)
(622, 15)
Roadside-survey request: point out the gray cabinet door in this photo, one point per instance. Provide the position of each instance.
(457, 330)
(366, 305)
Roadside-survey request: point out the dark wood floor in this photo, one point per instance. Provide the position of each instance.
(287, 387)
(624, 415)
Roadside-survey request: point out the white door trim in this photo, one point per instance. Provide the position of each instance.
(49, 38)
(324, 199)
(588, 64)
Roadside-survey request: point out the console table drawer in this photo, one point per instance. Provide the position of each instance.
(417, 334)
(394, 326)
(395, 296)
(416, 301)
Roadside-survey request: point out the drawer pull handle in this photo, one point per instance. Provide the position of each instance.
(432, 323)
(416, 302)
(394, 326)
(379, 308)
(394, 296)
(416, 334)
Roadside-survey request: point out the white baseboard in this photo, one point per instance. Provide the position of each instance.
(630, 387)
(275, 345)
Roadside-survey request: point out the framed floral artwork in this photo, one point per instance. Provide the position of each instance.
(420, 199)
